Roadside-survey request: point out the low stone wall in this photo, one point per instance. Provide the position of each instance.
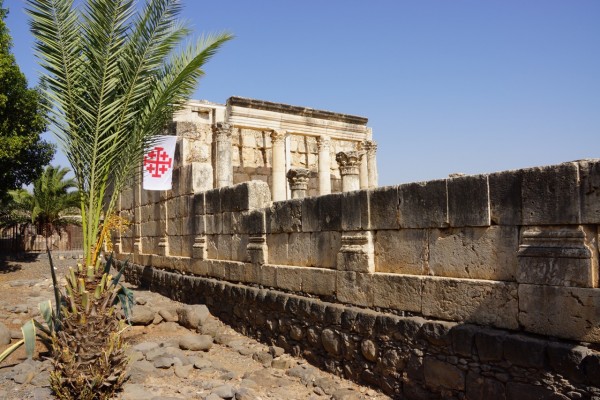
(408, 357)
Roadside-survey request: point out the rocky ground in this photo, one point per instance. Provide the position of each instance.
(177, 351)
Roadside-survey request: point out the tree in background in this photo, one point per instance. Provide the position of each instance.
(23, 154)
(115, 73)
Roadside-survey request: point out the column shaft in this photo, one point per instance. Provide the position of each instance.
(323, 144)
(224, 167)
(278, 166)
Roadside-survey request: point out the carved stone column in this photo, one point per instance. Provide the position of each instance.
(278, 165)
(298, 180)
(364, 168)
(223, 165)
(371, 149)
(348, 162)
(323, 144)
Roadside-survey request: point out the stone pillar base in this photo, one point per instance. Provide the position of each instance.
(257, 250)
(199, 248)
(356, 253)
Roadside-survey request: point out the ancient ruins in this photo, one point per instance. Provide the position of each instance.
(474, 287)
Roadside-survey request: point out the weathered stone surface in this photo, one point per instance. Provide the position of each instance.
(319, 281)
(400, 292)
(142, 315)
(522, 391)
(402, 251)
(463, 339)
(478, 253)
(442, 374)
(326, 245)
(310, 214)
(555, 255)
(200, 177)
(355, 211)
(4, 334)
(476, 301)
(300, 250)
(490, 344)
(354, 288)
(551, 195)
(383, 208)
(524, 351)
(567, 359)
(505, 197)
(468, 201)
(289, 278)
(479, 387)
(589, 176)
(437, 332)
(212, 199)
(193, 316)
(196, 342)
(329, 215)
(284, 216)
(565, 312)
(252, 222)
(423, 205)
(331, 342)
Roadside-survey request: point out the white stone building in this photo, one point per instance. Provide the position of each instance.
(248, 139)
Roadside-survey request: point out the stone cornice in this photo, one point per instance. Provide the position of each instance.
(295, 110)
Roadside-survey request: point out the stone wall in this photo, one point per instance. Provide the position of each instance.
(486, 270)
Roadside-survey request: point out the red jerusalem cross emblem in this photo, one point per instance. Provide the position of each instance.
(157, 162)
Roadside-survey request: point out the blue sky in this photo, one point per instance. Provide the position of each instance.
(448, 86)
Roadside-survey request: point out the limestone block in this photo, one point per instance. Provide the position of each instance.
(318, 281)
(329, 214)
(423, 204)
(187, 225)
(356, 252)
(559, 255)
(239, 243)
(201, 177)
(187, 241)
(565, 312)
(277, 244)
(479, 253)
(505, 197)
(214, 224)
(184, 186)
(171, 208)
(398, 292)
(289, 278)
(468, 201)
(212, 200)
(440, 374)
(199, 204)
(227, 222)
(199, 267)
(251, 273)
(284, 216)
(252, 222)
(355, 210)
(175, 244)
(354, 288)
(149, 228)
(268, 275)
(310, 214)
(326, 246)
(383, 207)
(149, 196)
(127, 198)
(403, 252)
(226, 195)
(468, 300)
(174, 226)
(589, 175)
(251, 195)
(127, 245)
(199, 224)
(550, 195)
(218, 269)
(301, 250)
(225, 249)
(212, 246)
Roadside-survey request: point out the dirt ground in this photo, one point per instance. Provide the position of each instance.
(235, 367)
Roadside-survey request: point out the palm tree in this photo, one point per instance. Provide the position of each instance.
(114, 75)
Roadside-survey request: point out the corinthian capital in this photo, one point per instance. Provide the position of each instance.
(222, 130)
(348, 161)
(323, 143)
(369, 146)
(277, 136)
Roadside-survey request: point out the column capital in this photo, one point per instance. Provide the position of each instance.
(348, 161)
(278, 136)
(222, 130)
(298, 178)
(323, 142)
(369, 146)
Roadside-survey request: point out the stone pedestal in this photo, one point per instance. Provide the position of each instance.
(199, 247)
(356, 253)
(257, 250)
(223, 164)
(278, 165)
(323, 144)
(298, 180)
(348, 162)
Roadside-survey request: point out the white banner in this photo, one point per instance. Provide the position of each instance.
(158, 164)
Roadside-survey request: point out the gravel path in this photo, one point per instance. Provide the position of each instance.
(177, 351)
